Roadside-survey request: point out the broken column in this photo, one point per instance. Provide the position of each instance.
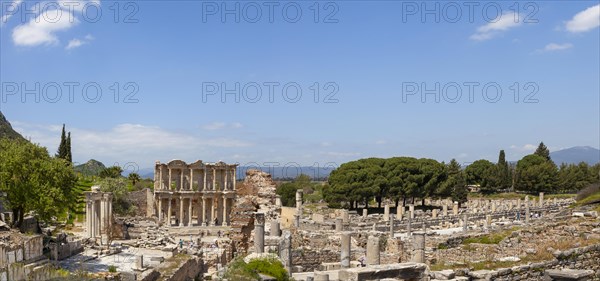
(465, 222)
(339, 226)
(493, 206)
(285, 250)
(445, 209)
(409, 226)
(373, 254)
(345, 216)
(299, 199)
(411, 210)
(345, 250)
(275, 228)
(419, 247)
(488, 221)
(386, 212)
(455, 208)
(541, 199)
(296, 220)
(278, 201)
(400, 212)
(259, 233)
(365, 213)
(434, 213)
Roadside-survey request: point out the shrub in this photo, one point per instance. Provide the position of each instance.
(112, 268)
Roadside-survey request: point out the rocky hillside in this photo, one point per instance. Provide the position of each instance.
(90, 168)
(6, 130)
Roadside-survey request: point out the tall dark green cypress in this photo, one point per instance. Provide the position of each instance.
(504, 177)
(62, 147)
(69, 156)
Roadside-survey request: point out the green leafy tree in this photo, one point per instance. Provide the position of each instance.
(34, 182)
(69, 156)
(572, 178)
(118, 187)
(536, 174)
(543, 151)
(111, 172)
(482, 173)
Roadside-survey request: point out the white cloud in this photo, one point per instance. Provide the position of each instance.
(504, 22)
(524, 148)
(557, 47)
(14, 6)
(131, 143)
(222, 125)
(75, 43)
(585, 20)
(41, 29)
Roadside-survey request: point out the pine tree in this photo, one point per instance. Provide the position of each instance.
(543, 151)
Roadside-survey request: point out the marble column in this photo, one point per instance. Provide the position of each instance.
(285, 250)
(445, 210)
(541, 199)
(411, 209)
(345, 250)
(365, 213)
(386, 212)
(299, 199)
(391, 226)
(190, 211)
(205, 221)
(160, 211)
(259, 233)
(180, 211)
(455, 208)
(170, 212)
(224, 220)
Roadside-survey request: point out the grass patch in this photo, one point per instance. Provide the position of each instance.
(594, 198)
(240, 270)
(493, 238)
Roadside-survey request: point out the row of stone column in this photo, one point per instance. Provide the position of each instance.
(206, 210)
(228, 181)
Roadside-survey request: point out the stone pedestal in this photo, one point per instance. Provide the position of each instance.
(373, 254)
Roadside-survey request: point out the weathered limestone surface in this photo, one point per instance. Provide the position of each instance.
(403, 271)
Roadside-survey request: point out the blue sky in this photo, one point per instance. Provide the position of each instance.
(371, 61)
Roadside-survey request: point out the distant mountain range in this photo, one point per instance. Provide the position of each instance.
(276, 172)
(6, 130)
(576, 154)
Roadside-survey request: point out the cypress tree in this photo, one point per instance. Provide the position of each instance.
(69, 156)
(62, 147)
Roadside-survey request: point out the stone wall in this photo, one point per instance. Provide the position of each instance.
(311, 259)
(175, 269)
(143, 200)
(61, 251)
(587, 258)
